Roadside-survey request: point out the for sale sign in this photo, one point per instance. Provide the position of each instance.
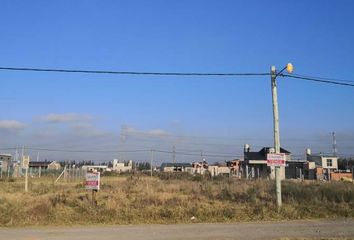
(276, 159)
(92, 181)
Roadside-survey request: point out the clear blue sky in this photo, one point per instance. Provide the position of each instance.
(80, 111)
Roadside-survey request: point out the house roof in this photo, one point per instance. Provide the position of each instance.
(175, 165)
(262, 154)
(254, 156)
(39, 164)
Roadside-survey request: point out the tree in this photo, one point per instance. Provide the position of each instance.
(143, 166)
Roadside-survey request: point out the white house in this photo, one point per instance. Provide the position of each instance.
(95, 168)
(324, 161)
(216, 171)
(121, 167)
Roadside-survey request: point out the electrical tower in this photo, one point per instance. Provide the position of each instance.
(334, 141)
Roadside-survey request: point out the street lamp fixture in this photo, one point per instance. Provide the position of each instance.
(289, 68)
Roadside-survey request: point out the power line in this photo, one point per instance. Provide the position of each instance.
(194, 154)
(76, 150)
(321, 80)
(154, 137)
(128, 72)
(116, 151)
(295, 76)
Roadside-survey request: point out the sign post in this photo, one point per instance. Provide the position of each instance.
(92, 183)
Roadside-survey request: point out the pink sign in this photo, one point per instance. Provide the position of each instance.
(92, 181)
(276, 159)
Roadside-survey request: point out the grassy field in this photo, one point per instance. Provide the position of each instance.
(141, 199)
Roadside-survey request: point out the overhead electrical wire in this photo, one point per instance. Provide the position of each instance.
(138, 135)
(128, 72)
(120, 151)
(320, 80)
(323, 78)
(295, 76)
(76, 150)
(194, 154)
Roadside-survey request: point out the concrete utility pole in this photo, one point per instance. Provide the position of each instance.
(274, 74)
(276, 132)
(174, 154)
(26, 180)
(151, 160)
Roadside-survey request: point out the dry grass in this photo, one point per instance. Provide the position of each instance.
(139, 199)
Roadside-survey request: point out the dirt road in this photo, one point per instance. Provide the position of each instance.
(249, 231)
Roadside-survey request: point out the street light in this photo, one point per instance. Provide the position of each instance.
(274, 74)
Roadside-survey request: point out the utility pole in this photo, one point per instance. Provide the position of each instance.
(276, 133)
(16, 155)
(151, 161)
(26, 179)
(274, 74)
(174, 154)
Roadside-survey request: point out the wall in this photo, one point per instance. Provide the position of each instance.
(334, 162)
(336, 176)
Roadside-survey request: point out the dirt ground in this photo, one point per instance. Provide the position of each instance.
(261, 230)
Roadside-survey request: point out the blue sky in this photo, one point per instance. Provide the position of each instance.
(77, 111)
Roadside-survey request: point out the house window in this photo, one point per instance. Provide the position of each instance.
(329, 162)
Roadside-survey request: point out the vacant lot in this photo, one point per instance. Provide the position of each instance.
(165, 199)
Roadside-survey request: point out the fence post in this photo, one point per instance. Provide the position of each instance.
(26, 180)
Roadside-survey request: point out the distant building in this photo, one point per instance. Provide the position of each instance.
(51, 165)
(95, 168)
(199, 167)
(321, 165)
(235, 167)
(295, 169)
(255, 163)
(175, 167)
(216, 171)
(324, 161)
(5, 162)
(121, 166)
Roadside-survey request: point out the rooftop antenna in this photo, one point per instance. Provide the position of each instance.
(334, 144)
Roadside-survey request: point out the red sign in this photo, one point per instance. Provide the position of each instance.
(276, 159)
(92, 181)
